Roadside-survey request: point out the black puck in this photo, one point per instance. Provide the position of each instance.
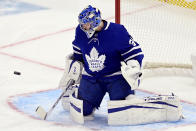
(17, 73)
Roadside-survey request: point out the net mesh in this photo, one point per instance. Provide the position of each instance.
(191, 4)
(165, 29)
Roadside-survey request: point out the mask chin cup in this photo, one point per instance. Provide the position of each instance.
(89, 33)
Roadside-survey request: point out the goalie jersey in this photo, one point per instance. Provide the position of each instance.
(102, 53)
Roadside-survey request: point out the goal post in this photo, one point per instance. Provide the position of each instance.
(117, 11)
(165, 29)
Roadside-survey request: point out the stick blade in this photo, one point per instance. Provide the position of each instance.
(41, 112)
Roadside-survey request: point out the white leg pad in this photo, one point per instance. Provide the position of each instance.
(152, 109)
(66, 99)
(76, 110)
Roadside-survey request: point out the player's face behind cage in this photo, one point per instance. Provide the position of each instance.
(86, 26)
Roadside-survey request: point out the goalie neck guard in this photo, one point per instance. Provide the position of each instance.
(92, 16)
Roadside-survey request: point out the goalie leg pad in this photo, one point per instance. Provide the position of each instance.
(153, 109)
(65, 102)
(76, 109)
(66, 99)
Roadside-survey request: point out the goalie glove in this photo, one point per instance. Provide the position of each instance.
(72, 71)
(132, 73)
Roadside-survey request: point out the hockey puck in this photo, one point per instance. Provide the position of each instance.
(17, 73)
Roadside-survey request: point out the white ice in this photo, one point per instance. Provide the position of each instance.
(41, 41)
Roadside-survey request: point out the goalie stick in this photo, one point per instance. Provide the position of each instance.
(42, 113)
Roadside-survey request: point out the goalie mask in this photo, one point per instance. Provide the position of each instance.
(92, 17)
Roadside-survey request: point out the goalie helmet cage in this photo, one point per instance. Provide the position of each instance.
(165, 30)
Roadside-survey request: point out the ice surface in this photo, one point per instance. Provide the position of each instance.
(36, 43)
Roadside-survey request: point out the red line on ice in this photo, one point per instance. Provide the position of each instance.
(36, 38)
(32, 61)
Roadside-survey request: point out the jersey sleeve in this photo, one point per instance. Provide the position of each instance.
(130, 49)
(76, 46)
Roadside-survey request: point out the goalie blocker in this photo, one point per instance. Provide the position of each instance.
(142, 111)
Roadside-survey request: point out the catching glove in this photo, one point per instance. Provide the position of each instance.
(132, 73)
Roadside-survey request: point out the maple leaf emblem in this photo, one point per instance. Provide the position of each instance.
(95, 62)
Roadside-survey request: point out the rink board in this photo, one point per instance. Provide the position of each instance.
(29, 102)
